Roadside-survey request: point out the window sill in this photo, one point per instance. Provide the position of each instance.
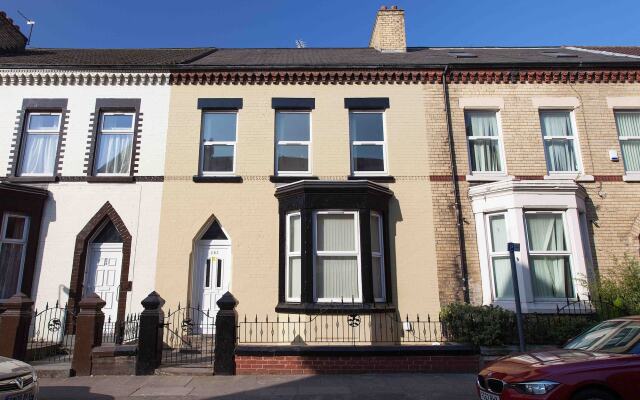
(290, 179)
(372, 178)
(217, 179)
(487, 177)
(32, 179)
(634, 177)
(335, 308)
(110, 179)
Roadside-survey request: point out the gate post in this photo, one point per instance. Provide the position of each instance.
(224, 358)
(15, 322)
(89, 325)
(150, 335)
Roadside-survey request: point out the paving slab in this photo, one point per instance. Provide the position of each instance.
(160, 391)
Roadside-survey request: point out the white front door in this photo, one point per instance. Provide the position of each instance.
(213, 274)
(104, 264)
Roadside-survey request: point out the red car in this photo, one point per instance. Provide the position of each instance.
(601, 364)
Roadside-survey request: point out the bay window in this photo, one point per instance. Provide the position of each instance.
(42, 132)
(13, 241)
(628, 124)
(485, 153)
(377, 256)
(293, 257)
(114, 145)
(499, 256)
(559, 138)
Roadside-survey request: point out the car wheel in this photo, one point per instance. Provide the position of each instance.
(593, 394)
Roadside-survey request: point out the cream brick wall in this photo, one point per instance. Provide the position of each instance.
(249, 211)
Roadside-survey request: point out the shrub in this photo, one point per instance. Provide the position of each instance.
(619, 294)
(478, 325)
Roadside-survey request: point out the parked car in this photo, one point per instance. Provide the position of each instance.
(18, 380)
(602, 363)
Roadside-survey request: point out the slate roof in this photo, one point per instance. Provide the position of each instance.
(312, 58)
(627, 50)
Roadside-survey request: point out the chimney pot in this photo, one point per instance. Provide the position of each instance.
(389, 31)
(394, 7)
(383, 7)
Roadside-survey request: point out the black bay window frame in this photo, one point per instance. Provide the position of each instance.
(307, 197)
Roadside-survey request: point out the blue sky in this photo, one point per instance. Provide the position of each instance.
(324, 23)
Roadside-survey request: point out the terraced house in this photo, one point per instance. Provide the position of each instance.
(383, 180)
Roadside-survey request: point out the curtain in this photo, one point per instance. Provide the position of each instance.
(294, 233)
(39, 154)
(337, 277)
(485, 153)
(560, 155)
(629, 126)
(502, 277)
(10, 264)
(498, 229)
(545, 232)
(551, 276)
(114, 154)
(336, 232)
(556, 123)
(376, 270)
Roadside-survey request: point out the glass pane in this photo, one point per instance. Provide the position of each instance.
(631, 154)
(113, 155)
(44, 122)
(207, 273)
(366, 126)
(551, 276)
(295, 280)
(485, 155)
(502, 277)
(375, 234)
(376, 271)
(109, 234)
(545, 232)
(219, 127)
(117, 122)
(556, 123)
(39, 154)
(628, 123)
(10, 263)
(214, 232)
(336, 232)
(294, 233)
(498, 227)
(15, 228)
(337, 278)
(368, 158)
(218, 158)
(561, 155)
(481, 123)
(292, 126)
(293, 157)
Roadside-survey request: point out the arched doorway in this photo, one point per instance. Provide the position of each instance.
(212, 268)
(104, 268)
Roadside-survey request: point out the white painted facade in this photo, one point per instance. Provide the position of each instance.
(72, 204)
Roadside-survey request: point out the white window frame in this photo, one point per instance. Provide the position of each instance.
(382, 143)
(491, 254)
(204, 143)
(538, 253)
(295, 142)
(290, 254)
(28, 132)
(380, 255)
(503, 162)
(23, 241)
(626, 138)
(325, 253)
(129, 131)
(575, 140)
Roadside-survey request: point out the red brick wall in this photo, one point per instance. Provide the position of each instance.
(292, 365)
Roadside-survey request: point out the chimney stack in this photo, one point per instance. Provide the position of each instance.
(388, 31)
(11, 39)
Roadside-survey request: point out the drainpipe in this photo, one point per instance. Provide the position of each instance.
(456, 188)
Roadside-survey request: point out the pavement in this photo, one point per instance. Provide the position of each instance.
(316, 387)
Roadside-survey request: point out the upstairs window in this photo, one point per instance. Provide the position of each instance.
(40, 145)
(485, 152)
(293, 136)
(628, 123)
(559, 141)
(219, 132)
(114, 145)
(13, 242)
(368, 148)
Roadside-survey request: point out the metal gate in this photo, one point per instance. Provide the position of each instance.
(51, 335)
(189, 335)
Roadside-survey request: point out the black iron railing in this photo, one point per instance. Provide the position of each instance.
(189, 334)
(121, 332)
(51, 335)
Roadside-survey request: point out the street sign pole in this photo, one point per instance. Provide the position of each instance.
(513, 247)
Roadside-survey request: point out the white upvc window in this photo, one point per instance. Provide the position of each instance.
(549, 255)
(377, 257)
(13, 243)
(368, 143)
(40, 147)
(293, 143)
(628, 124)
(114, 146)
(219, 133)
(486, 154)
(560, 141)
(337, 256)
(499, 261)
(293, 278)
